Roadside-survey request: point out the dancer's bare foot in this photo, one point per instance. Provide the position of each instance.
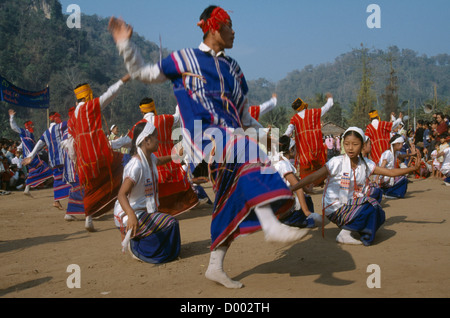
(58, 205)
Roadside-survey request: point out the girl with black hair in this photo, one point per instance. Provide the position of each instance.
(393, 188)
(345, 198)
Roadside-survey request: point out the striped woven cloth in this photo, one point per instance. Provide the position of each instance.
(348, 212)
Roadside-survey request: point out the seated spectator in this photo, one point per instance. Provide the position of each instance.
(442, 126)
(436, 165)
(6, 174)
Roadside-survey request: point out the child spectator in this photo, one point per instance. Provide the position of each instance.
(435, 162)
(445, 167)
(331, 146)
(17, 160)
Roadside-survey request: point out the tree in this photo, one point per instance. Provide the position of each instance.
(335, 114)
(366, 98)
(390, 96)
(279, 117)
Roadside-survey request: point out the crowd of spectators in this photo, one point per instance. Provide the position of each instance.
(12, 173)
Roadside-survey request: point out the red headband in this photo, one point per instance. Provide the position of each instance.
(218, 17)
(28, 125)
(55, 116)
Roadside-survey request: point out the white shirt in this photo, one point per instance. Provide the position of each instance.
(267, 106)
(106, 98)
(126, 141)
(331, 193)
(145, 188)
(390, 164)
(325, 109)
(433, 155)
(375, 123)
(17, 161)
(284, 167)
(14, 125)
(445, 168)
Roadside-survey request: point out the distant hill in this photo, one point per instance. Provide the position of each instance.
(38, 48)
(420, 80)
(416, 75)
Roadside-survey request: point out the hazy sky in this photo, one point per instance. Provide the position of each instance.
(274, 38)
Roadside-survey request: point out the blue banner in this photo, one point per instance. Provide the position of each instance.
(20, 97)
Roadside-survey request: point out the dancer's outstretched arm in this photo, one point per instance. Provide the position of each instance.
(398, 171)
(147, 73)
(317, 175)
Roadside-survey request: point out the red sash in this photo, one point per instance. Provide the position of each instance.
(172, 171)
(91, 144)
(308, 139)
(175, 192)
(254, 111)
(379, 139)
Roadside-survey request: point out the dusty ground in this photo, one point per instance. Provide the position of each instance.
(412, 251)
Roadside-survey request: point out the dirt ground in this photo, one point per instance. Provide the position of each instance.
(412, 251)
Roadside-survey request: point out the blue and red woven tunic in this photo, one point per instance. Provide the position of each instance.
(52, 137)
(211, 93)
(38, 170)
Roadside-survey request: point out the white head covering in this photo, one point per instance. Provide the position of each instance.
(357, 130)
(346, 169)
(112, 127)
(152, 202)
(147, 131)
(399, 140)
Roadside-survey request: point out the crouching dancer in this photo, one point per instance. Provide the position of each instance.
(346, 199)
(155, 236)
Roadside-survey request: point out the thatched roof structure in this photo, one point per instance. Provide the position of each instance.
(332, 129)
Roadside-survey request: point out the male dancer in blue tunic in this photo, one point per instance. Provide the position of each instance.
(65, 183)
(38, 170)
(211, 92)
(52, 139)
